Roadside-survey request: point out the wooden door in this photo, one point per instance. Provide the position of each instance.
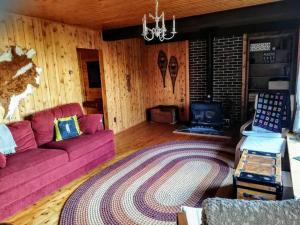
(91, 80)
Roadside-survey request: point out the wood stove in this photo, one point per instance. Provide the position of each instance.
(207, 114)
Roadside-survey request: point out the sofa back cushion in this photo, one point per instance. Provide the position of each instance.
(43, 122)
(23, 135)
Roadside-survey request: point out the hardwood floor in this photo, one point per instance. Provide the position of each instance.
(47, 210)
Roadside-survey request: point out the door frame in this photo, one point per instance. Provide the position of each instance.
(102, 78)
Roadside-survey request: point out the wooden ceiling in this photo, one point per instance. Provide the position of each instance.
(109, 14)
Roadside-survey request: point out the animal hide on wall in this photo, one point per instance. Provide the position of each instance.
(18, 76)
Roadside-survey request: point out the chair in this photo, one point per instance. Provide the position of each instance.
(259, 139)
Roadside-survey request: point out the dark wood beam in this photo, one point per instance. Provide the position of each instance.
(275, 15)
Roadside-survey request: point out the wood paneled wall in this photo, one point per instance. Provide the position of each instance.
(55, 44)
(122, 58)
(155, 93)
(132, 57)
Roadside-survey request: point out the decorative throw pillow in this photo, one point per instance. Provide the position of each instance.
(66, 128)
(2, 160)
(90, 123)
(272, 111)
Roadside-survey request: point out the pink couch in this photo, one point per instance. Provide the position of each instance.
(41, 165)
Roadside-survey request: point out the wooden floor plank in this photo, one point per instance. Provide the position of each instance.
(47, 210)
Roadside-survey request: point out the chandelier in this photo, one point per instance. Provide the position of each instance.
(159, 32)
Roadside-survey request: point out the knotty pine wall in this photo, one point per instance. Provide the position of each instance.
(122, 58)
(155, 93)
(55, 44)
(132, 57)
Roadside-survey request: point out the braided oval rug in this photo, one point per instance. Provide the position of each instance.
(150, 186)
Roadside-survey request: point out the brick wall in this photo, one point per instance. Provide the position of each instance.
(197, 66)
(227, 79)
(227, 70)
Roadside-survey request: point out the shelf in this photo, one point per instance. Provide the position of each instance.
(272, 70)
(251, 91)
(281, 78)
(276, 63)
(280, 56)
(278, 51)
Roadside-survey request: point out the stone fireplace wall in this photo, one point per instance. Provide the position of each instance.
(227, 70)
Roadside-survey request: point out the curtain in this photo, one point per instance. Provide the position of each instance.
(297, 115)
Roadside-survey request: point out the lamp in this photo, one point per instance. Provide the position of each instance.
(159, 32)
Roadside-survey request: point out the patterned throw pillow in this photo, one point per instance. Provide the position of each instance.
(66, 128)
(272, 112)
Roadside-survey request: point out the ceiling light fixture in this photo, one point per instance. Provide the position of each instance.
(159, 32)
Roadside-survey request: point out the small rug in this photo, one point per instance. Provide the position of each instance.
(150, 186)
(200, 130)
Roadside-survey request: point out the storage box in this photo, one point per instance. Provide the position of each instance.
(163, 114)
(258, 176)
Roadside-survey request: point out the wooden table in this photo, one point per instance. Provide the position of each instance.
(294, 151)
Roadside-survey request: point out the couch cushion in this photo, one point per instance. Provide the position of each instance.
(83, 144)
(43, 126)
(19, 197)
(43, 122)
(28, 165)
(71, 109)
(265, 144)
(90, 123)
(23, 135)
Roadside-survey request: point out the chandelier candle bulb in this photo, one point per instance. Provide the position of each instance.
(174, 30)
(144, 25)
(163, 21)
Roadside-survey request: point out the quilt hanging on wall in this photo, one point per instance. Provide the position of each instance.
(18, 77)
